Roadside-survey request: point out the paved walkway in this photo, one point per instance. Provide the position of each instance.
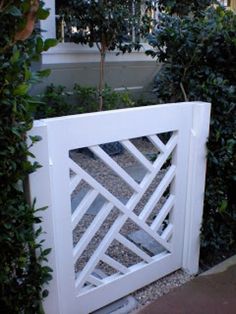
(213, 292)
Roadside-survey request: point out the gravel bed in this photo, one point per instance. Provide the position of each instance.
(160, 287)
(97, 169)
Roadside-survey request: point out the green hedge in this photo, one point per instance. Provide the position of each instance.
(55, 101)
(198, 53)
(21, 274)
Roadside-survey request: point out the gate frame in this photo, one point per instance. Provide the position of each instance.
(41, 187)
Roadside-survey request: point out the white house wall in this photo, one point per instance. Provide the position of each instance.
(136, 76)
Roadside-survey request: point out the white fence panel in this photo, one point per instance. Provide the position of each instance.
(163, 206)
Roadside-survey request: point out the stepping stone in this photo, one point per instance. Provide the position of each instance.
(77, 198)
(95, 206)
(122, 306)
(145, 241)
(137, 172)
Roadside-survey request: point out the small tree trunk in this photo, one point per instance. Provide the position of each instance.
(30, 22)
(101, 79)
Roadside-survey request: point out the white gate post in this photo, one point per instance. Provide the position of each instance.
(196, 186)
(40, 190)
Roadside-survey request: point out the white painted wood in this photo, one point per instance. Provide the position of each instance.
(99, 252)
(54, 186)
(167, 233)
(107, 293)
(154, 199)
(99, 188)
(156, 224)
(178, 187)
(41, 191)
(114, 264)
(104, 125)
(196, 186)
(126, 209)
(83, 207)
(94, 280)
(92, 229)
(137, 155)
(115, 167)
(157, 143)
(62, 219)
(159, 162)
(74, 181)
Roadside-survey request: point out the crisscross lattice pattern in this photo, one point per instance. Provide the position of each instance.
(158, 231)
(116, 223)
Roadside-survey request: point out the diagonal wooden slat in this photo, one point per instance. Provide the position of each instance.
(163, 213)
(91, 230)
(94, 280)
(114, 264)
(173, 139)
(124, 208)
(157, 143)
(159, 162)
(83, 207)
(145, 183)
(74, 181)
(115, 167)
(98, 187)
(134, 248)
(137, 155)
(165, 182)
(167, 233)
(99, 252)
(127, 210)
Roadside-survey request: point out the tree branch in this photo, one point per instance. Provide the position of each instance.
(183, 91)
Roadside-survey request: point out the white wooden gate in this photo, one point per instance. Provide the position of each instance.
(170, 223)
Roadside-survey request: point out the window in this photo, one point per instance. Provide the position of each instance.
(225, 3)
(64, 29)
(68, 52)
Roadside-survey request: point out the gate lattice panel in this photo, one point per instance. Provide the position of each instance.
(92, 226)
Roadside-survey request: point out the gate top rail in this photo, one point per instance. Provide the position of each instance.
(119, 124)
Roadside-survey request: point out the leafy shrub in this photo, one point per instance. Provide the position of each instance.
(21, 274)
(183, 7)
(198, 52)
(56, 101)
(53, 102)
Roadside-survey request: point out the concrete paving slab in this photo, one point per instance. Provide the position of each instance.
(77, 197)
(209, 294)
(221, 267)
(95, 206)
(137, 172)
(144, 240)
(122, 306)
